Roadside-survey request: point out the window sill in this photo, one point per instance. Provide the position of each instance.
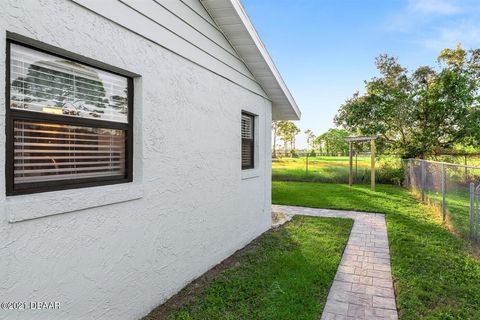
(32, 206)
(250, 173)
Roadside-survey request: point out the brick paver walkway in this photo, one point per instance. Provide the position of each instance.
(363, 287)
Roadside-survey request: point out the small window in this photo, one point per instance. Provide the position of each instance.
(69, 124)
(248, 140)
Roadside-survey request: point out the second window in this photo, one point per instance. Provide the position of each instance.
(248, 141)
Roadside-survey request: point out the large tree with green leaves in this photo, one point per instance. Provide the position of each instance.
(422, 113)
(333, 141)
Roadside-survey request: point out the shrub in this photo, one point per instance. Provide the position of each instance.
(390, 171)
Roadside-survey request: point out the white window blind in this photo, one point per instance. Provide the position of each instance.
(45, 83)
(247, 141)
(247, 126)
(46, 152)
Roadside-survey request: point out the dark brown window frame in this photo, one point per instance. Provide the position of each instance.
(251, 142)
(13, 114)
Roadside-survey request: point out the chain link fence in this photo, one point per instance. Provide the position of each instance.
(453, 188)
(320, 168)
(335, 169)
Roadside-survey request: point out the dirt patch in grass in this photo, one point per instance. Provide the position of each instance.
(279, 218)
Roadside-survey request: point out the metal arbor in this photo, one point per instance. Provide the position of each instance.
(350, 141)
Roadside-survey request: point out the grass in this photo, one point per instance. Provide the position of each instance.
(435, 275)
(458, 210)
(457, 193)
(284, 274)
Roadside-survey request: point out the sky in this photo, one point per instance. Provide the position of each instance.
(325, 49)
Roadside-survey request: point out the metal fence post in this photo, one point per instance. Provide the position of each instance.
(350, 164)
(307, 166)
(476, 209)
(424, 178)
(410, 173)
(472, 207)
(444, 187)
(405, 166)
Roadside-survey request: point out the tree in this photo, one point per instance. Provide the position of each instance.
(384, 109)
(334, 141)
(419, 114)
(283, 133)
(310, 139)
(287, 131)
(294, 131)
(275, 126)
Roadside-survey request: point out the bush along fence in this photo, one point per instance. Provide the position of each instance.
(454, 188)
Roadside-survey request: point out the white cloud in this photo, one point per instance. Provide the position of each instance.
(437, 24)
(417, 13)
(466, 32)
(435, 7)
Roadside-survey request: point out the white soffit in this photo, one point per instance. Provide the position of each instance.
(231, 18)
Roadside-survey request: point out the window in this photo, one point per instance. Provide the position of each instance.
(248, 140)
(68, 124)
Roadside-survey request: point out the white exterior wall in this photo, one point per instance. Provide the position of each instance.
(131, 246)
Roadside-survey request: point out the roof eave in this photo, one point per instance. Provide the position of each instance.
(284, 106)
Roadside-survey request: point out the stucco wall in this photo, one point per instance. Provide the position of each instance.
(189, 207)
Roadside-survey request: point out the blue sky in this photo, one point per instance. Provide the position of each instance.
(325, 49)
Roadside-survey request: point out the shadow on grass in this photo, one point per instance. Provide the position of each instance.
(284, 274)
(435, 276)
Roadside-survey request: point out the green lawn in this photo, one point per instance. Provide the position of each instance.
(435, 276)
(284, 274)
(458, 210)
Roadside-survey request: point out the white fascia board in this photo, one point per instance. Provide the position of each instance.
(284, 105)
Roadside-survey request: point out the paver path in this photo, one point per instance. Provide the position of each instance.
(363, 287)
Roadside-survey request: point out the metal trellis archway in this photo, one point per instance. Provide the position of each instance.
(373, 148)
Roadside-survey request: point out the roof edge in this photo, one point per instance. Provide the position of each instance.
(242, 13)
(283, 103)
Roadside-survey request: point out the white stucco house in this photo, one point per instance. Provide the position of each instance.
(136, 150)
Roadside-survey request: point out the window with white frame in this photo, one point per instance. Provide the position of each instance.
(248, 140)
(68, 124)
